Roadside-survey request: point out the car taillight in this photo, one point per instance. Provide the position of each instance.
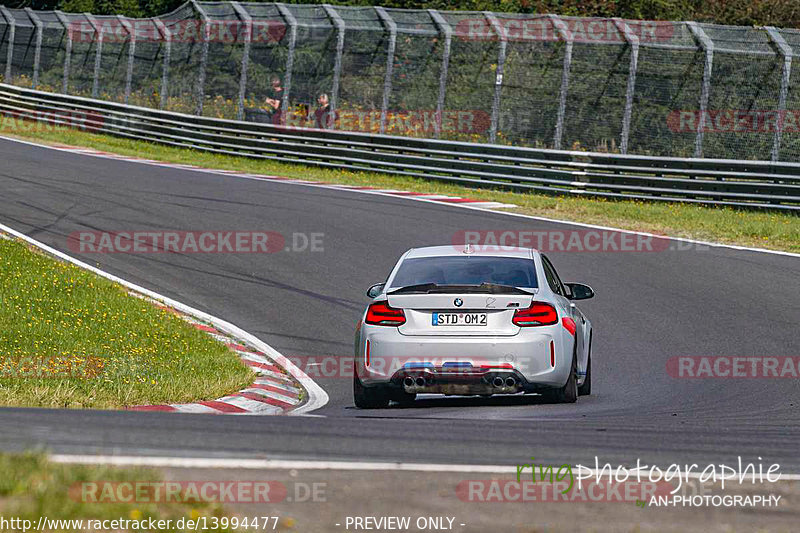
(538, 314)
(380, 314)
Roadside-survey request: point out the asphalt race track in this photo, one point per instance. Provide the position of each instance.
(649, 307)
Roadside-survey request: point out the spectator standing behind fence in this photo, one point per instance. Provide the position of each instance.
(322, 116)
(273, 100)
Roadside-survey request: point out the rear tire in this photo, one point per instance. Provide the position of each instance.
(369, 397)
(586, 388)
(569, 392)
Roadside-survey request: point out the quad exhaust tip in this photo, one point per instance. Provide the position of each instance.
(419, 381)
(507, 382)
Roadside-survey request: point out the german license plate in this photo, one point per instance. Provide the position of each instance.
(458, 319)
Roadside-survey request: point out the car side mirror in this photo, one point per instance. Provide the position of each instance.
(579, 291)
(375, 290)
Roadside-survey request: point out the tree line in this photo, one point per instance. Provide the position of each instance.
(781, 13)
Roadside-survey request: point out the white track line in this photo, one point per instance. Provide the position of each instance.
(416, 198)
(280, 464)
(317, 397)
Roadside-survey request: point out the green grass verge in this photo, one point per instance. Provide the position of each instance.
(32, 487)
(69, 338)
(776, 231)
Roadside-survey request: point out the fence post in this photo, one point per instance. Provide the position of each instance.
(498, 79)
(131, 54)
(566, 36)
(287, 77)
(201, 75)
(62, 18)
(447, 31)
(708, 47)
(245, 17)
(98, 54)
(786, 51)
(391, 26)
(37, 51)
(11, 31)
(166, 37)
(633, 42)
(337, 21)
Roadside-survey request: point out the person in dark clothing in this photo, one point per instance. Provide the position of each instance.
(274, 100)
(323, 116)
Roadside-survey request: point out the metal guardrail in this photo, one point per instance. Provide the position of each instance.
(744, 184)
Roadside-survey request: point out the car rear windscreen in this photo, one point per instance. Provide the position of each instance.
(466, 270)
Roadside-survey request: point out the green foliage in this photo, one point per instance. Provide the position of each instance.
(782, 13)
(129, 8)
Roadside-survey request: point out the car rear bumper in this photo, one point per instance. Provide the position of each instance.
(463, 365)
(471, 381)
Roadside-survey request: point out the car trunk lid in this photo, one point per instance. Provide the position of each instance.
(459, 314)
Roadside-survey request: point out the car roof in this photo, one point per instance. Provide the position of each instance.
(453, 250)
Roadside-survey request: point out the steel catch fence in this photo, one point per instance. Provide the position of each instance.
(654, 88)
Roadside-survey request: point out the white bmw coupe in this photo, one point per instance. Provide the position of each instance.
(457, 321)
